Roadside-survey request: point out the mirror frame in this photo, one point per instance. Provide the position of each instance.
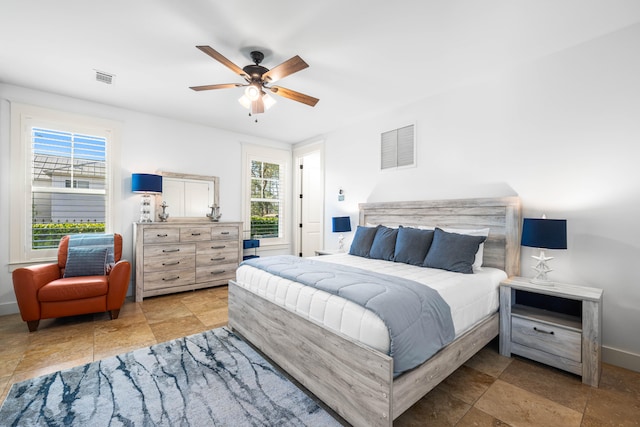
(209, 178)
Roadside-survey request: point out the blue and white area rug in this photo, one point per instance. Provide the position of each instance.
(208, 379)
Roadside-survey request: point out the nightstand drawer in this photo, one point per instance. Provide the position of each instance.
(553, 339)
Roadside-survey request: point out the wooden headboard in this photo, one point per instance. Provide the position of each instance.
(501, 215)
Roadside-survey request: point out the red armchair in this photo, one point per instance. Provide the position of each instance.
(43, 293)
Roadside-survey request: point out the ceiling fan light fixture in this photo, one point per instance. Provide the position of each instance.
(245, 101)
(252, 92)
(268, 101)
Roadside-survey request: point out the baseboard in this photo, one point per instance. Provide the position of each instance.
(9, 308)
(624, 359)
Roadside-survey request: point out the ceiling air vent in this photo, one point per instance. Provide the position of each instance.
(103, 77)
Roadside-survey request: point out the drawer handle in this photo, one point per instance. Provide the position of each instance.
(218, 259)
(171, 250)
(162, 235)
(218, 271)
(195, 234)
(171, 263)
(218, 247)
(224, 232)
(542, 331)
(168, 279)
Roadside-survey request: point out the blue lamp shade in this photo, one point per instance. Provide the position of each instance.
(341, 224)
(146, 183)
(544, 233)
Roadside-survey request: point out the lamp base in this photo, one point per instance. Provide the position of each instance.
(542, 268)
(146, 209)
(341, 243)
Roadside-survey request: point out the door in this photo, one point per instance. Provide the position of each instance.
(310, 206)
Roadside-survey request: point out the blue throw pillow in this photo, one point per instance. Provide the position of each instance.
(453, 251)
(86, 262)
(384, 243)
(362, 241)
(412, 245)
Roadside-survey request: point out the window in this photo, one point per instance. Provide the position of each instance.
(62, 179)
(265, 199)
(265, 172)
(397, 148)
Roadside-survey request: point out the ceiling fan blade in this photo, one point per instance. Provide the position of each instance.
(257, 106)
(288, 67)
(211, 87)
(296, 96)
(221, 59)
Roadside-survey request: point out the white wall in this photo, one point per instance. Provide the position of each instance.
(149, 143)
(563, 133)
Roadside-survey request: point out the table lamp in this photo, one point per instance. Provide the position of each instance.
(544, 233)
(341, 224)
(146, 184)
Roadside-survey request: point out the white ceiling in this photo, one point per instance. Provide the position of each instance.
(365, 57)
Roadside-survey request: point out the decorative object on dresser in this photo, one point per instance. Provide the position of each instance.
(179, 256)
(146, 184)
(341, 224)
(544, 233)
(215, 214)
(555, 323)
(163, 216)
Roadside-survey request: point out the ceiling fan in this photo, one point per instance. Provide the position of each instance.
(258, 79)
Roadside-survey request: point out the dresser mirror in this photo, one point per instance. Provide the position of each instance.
(187, 196)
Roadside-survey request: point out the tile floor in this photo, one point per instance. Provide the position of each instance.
(489, 390)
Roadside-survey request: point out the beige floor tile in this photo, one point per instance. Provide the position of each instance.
(214, 318)
(163, 308)
(518, 407)
(8, 366)
(559, 386)
(19, 376)
(619, 379)
(176, 328)
(476, 418)
(112, 339)
(613, 408)
(489, 361)
(466, 384)
(436, 409)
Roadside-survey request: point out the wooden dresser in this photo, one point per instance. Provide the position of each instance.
(179, 256)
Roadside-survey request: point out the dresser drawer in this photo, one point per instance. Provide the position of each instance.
(553, 339)
(171, 261)
(218, 247)
(195, 234)
(223, 232)
(169, 250)
(169, 279)
(161, 235)
(216, 272)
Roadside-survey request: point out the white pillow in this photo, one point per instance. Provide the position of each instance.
(477, 262)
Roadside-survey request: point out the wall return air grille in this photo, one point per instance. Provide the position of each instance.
(398, 148)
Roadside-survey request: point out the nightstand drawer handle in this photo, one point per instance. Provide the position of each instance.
(218, 259)
(218, 247)
(542, 331)
(218, 271)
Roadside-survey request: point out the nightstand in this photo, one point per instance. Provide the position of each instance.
(556, 324)
(328, 252)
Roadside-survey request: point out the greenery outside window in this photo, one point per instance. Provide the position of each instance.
(265, 200)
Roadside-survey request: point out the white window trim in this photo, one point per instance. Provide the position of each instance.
(272, 155)
(23, 117)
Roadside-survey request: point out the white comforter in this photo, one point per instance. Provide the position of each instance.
(471, 296)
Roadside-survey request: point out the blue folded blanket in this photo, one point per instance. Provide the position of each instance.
(94, 240)
(418, 319)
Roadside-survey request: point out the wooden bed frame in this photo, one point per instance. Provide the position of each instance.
(354, 380)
